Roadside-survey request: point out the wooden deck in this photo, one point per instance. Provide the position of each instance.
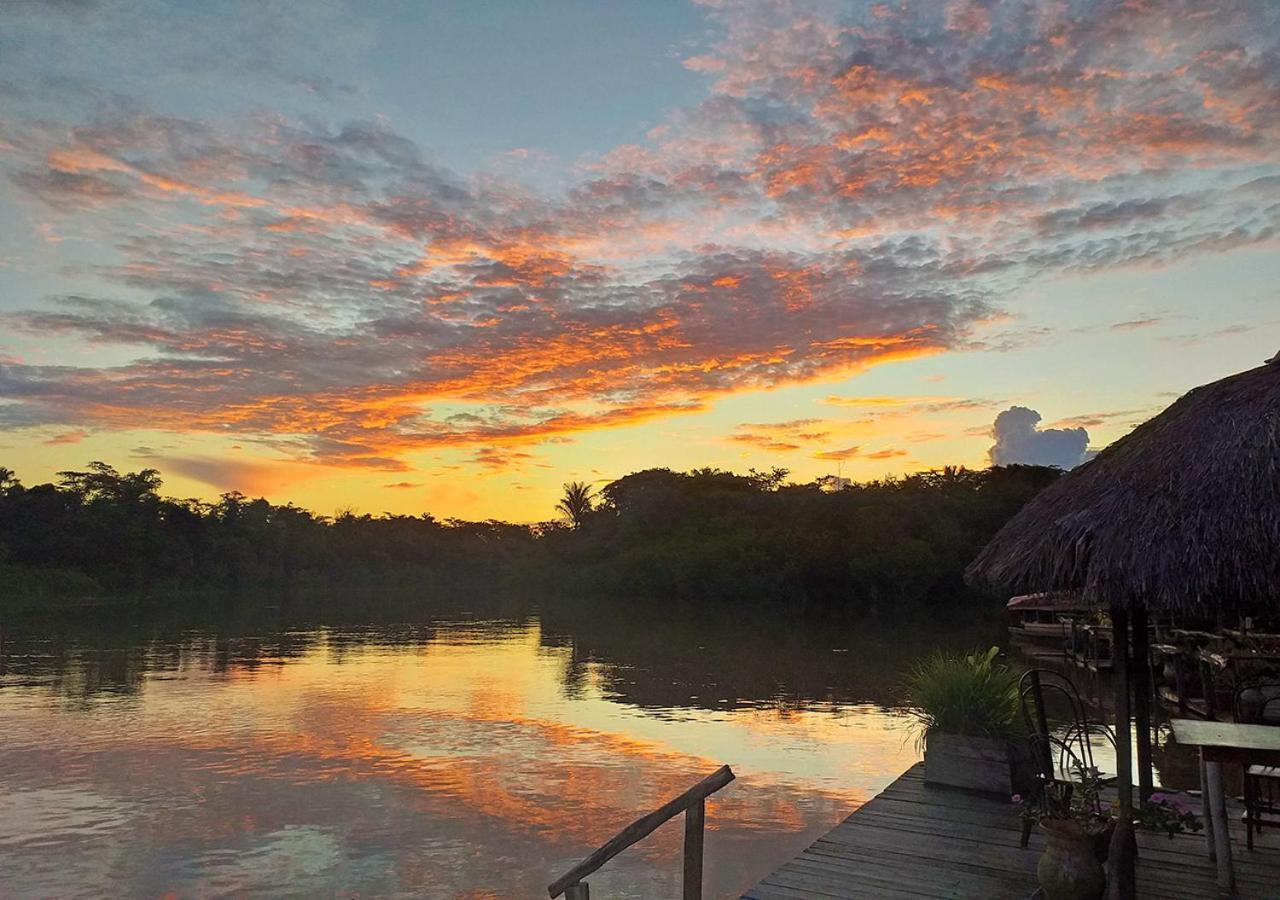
(914, 840)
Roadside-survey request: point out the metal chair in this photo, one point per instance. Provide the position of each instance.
(1258, 703)
(1057, 754)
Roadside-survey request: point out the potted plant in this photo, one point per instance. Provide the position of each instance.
(966, 707)
(1170, 813)
(1078, 830)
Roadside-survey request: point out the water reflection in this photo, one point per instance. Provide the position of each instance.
(449, 753)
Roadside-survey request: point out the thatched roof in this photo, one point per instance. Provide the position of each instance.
(1182, 513)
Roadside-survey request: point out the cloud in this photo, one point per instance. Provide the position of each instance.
(879, 409)
(68, 437)
(1019, 440)
(1135, 324)
(764, 442)
(402, 485)
(844, 453)
(887, 453)
(781, 437)
(1199, 340)
(847, 453)
(854, 188)
(1091, 420)
(251, 478)
(834, 400)
(106, 53)
(499, 459)
(883, 405)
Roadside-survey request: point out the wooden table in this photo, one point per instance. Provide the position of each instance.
(1227, 742)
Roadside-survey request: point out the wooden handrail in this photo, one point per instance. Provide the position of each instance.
(691, 801)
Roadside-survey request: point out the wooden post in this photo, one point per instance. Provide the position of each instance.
(1124, 737)
(1221, 839)
(578, 891)
(694, 820)
(1180, 679)
(1205, 813)
(1208, 689)
(644, 826)
(1142, 699)
(1122, 862)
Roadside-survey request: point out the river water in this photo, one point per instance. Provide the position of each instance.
(434, 750)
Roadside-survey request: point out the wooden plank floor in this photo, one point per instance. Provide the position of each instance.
(914, 840)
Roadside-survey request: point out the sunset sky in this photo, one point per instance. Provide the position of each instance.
(442, 257)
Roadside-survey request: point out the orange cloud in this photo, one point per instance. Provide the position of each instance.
(844, 453)
(254, 479)
(334, 308)
(834, 400)
(68, 437)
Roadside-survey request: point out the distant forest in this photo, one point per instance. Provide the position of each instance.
(706, 536)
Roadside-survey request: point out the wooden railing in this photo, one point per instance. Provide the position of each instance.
(692, 803)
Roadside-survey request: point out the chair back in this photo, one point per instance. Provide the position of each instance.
(1057, 752)
(1257, 701)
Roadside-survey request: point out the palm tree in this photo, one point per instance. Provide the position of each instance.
(576, 502)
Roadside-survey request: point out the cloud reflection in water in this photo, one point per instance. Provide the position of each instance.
(455, 758)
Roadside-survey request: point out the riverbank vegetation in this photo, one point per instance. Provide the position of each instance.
(706, 536)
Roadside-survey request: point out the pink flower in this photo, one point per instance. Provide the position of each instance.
(1017, 798)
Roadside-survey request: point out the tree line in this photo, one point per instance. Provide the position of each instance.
(706, 536)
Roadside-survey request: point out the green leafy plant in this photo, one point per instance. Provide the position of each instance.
(1078, 800)
(1170, 813)
(964, 693)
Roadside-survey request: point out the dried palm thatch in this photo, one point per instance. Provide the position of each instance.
(1182, 513)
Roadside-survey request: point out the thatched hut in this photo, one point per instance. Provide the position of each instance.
(1181, 514)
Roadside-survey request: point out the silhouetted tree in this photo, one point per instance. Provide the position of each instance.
(576, 502)
(705, 536)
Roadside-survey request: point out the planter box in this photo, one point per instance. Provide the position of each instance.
(995, 765)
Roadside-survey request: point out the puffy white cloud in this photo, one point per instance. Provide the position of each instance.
(1020, 440)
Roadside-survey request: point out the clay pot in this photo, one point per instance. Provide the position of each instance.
(1069, 868)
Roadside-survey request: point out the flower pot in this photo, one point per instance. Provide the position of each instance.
(995, 765)
(1069, 868)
